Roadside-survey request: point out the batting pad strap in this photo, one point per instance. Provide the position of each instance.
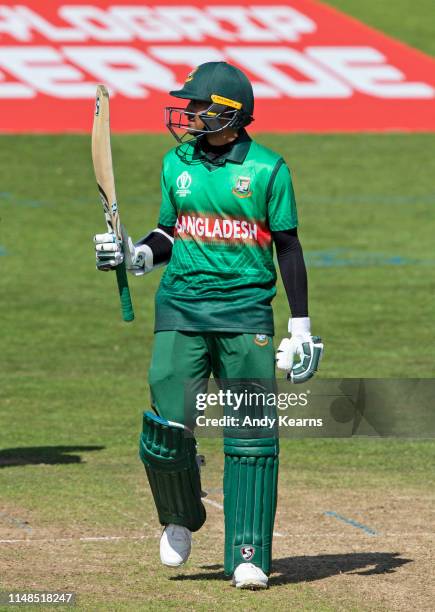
(250, 494)
(168, 452)
(258, 447)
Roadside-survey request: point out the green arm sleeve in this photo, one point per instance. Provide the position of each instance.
(282, 212)
(168, 212)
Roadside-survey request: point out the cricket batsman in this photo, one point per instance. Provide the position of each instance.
(226, 202)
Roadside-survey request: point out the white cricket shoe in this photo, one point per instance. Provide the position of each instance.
(175, 545)
(249, 576)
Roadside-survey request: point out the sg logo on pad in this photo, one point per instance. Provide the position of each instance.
(247, 552)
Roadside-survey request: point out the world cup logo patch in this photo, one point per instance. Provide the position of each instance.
(184, 180)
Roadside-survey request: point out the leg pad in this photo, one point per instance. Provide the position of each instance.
(250, 494)
(168, 452)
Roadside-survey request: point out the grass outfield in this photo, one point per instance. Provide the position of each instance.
(73, 377)
(366, 216)
(406, 20)
(75, 510)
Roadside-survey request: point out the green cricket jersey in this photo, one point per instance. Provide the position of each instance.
(221, 276)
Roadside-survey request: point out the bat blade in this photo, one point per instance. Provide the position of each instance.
(103, 168)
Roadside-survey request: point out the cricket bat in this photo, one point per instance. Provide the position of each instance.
(102, 160)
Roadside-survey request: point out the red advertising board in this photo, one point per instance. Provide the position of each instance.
(313, 68)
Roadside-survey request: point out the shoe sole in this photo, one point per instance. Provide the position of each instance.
(252, 585)
(172, 564)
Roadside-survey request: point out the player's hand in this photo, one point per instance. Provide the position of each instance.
(138, 259)
(300, 354)
(108, 251)
(111, 252)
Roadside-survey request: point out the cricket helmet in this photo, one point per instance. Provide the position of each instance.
(229, 92)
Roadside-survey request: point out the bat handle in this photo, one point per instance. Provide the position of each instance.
(124, 293)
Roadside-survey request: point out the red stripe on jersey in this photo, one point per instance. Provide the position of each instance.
(211, 228)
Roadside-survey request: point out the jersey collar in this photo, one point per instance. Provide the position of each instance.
(236, 154)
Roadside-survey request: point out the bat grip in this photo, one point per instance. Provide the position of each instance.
(124, 293)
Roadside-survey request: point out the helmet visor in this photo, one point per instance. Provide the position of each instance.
(215, 118)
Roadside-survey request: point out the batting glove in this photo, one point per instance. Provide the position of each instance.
(108, 251)
(111, 252)
(299, 355)
(138, 259)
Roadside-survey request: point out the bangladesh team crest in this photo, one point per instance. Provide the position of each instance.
(261, 340)
(242, 188)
